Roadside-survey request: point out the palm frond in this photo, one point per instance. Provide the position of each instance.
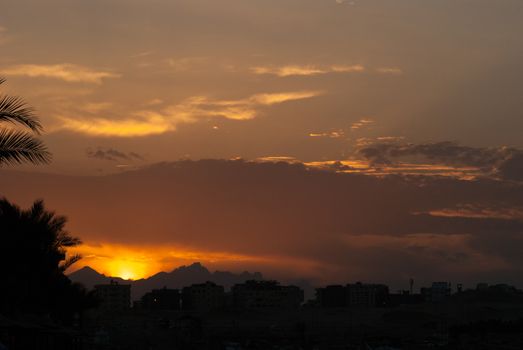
(69, 262)
(17, 147)
(13, 109)
(64, 240)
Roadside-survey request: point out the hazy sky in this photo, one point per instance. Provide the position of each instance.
(252, 78)
(388, 88)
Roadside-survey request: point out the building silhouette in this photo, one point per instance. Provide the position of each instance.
(203, 297)
(331, 296)
(113, 296)
(351, 295)
(266, 294)
(436, 293)
(161, 299)
(369, 295)
(405, 297)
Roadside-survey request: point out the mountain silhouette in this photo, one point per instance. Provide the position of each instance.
(89, 277)
(178, 278)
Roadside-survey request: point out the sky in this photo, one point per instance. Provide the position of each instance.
(413, 108)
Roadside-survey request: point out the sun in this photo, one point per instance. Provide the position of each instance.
(127, 275)
(126, 268)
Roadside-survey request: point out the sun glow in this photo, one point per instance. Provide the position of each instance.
(128, 269)
(131, 262)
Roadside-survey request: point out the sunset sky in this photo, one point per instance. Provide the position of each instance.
(334, 140)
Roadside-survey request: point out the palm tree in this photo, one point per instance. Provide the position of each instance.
(33, 244)
(19, 146)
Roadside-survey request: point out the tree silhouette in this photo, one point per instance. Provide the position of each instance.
(18, 146)
(33, 260)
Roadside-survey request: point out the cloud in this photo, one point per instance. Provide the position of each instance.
(276, 98)
(311, 70)
(150, 125)
(503, 162)
(67, 72)
(331, 134)
(277, 159)
(361, 124)
(480, 211)
(390, 70)
(307, 70)
(112, 154)
(511, 167)
(357, 166)
(339, 224)
(191, 110)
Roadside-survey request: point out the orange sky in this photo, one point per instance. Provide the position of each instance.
(131, 262)
(327, 224)
(329, 139)
(307, 79)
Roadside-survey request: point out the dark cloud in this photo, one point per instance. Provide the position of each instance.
(512, 168)
(112, 154)
(347, 226)
(505, 162)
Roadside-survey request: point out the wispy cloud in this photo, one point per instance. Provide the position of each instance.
(118, 128)
(307, 70)
(67, 72)
(499, 162)
(112, 154)
(276, 98)
(330, 134)
(390, 70)
(278, 159)
(150, 122)
(361, 124)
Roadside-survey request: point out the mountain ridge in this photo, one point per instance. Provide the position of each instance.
(178, 278)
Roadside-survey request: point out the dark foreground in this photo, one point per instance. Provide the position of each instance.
(447, 325)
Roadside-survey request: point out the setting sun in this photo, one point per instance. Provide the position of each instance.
(132, 263)
(126, 269)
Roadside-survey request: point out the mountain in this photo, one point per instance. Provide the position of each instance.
(89, 277)
(178, 278)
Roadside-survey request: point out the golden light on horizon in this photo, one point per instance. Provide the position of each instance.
(132, 262)
(137, 262)
(126, 268)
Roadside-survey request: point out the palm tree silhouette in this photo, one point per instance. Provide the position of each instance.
(33, 260)
(18, 146)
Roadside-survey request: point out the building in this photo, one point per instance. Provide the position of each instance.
(114, 296)
(204, 296)
(331, 296)
(161, 299)
(437, 292)
(368, 295)
(405, 297)
(352, 295)
(266, 294)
